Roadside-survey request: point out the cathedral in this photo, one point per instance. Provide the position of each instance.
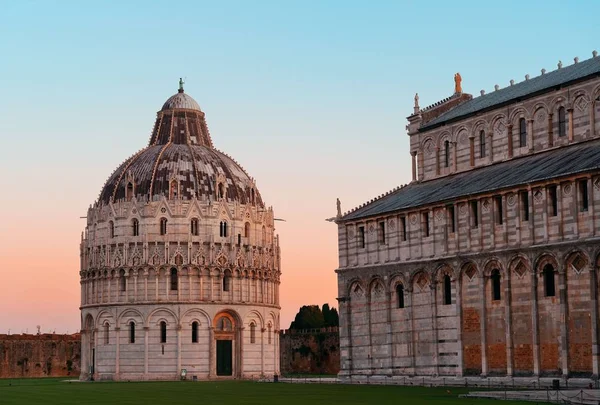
(485, 263)
(180, 265)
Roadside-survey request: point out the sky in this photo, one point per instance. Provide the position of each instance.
(311, 97)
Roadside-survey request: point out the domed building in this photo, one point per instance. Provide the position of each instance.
(180, 266)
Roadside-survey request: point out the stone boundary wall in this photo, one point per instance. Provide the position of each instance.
(41, 355)
(310, 351)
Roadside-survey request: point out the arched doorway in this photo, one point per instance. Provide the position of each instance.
(226, 341)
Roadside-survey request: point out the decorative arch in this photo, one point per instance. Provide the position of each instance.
(443, 270)
(356, 288)
(492, 264)
(519, 265)
(395, 279)
(578, 94)
(256, 317)
(157, 310)
(544, 259)
(558, 101)
(576, 260)
(129, 312)
(479, 125)
(197, 315)
(421, 279)
(469, 270)
(519, 112)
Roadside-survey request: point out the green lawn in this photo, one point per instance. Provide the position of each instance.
(53, 391)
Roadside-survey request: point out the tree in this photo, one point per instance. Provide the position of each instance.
(313, 317)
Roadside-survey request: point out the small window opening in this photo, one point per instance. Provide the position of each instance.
(481, 144)
(451, 218)
(253, 333)
(549, 287)
(239, 239)
(553, 200)
(174, 279)
(221, 189)
(226, 281)
(496, 285)
(129, 191)
(562, 122)
(425, 216)
(123, 280)
(135, 224)
(269, 333)
(194, 332)
(173, 190)
(522, 132)
(525, 205)
(361, 237)
(223, 229)
(247, 230)
(499, 213)
(163, 332)
(403, 221)
(474, 214)
(131, 332)
(163, 226)
(111, 227)
(400, 295)
(447, 290)
(264, 235)
(583, 195)
(194, 227)
(382, 233)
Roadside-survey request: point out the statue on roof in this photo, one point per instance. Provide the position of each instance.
(181, 82)
(457, 83)
(339, 208)
(416, 108)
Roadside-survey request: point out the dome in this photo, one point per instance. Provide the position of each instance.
(180, 100)
(180, 162)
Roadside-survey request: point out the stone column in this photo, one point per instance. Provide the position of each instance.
(482, 317)
(146, 285)
(564, 332)
(178, 349)
(109, 288)
(434, 327)
(411, 322)
(146, 333)
(135, 278)
(437, 161)
(241, 356)
(190, 285)
(508, 315)
(491, 146)
(459, 317)
(571, 129)
(390, 331)
(413, 154)
(118, 354)
(472, 150)
(210, 280)
(593, 118)
(262, 351)
(590, 187)
(535, 335)
(510, 140)
(594, 316)
(530, 134)
(211, 352)
(420, 165)
(550, 130)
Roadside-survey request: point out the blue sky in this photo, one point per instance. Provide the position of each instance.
(310, 97)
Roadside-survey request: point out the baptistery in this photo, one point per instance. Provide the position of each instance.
(180, 265)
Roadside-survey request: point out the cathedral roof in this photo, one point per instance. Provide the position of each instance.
(528, 88)
(565, 161)
(180, 153)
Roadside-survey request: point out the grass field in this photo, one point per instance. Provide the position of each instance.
(54, 391)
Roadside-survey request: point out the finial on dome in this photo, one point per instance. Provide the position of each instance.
(181, 82)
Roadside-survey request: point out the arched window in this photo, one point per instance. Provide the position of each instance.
(549, 287)
(106, 333)
(400, 295)
(174, 279)
(562, 122)
(221, 190)
(111, 229)
(135, 224)
(264, 235)
(173, 190)
(194, 226)
(481, 144)
(227, 281)
(252, 332)
(447, 290)
(194, 332)
(131, 332)
(163, 332)
(247, 230)
(129, 191)
(163, 226)
(269, 334)
(122, 280)
(446, 153)
(252, 196)
(496, 285)
(522, 132)
(223, 229)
